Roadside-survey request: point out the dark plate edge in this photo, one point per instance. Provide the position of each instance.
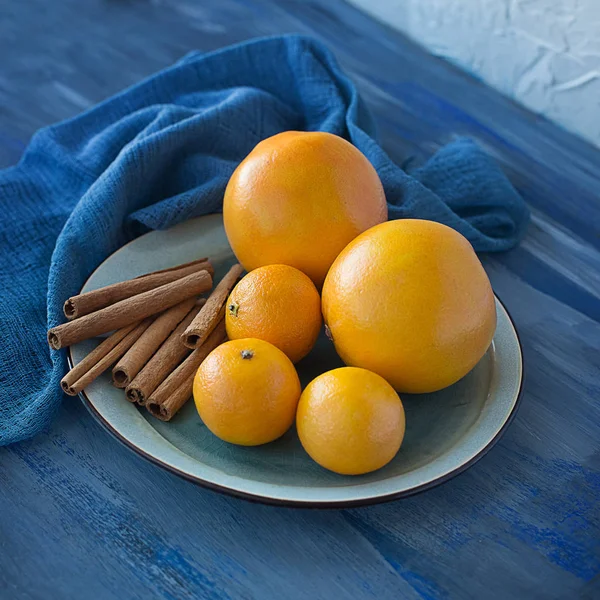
(312, 504)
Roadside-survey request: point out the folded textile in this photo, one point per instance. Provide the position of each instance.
(162, 152)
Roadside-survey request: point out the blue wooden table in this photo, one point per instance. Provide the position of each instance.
(82, 517)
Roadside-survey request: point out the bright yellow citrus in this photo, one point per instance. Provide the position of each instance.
(297, 199)
(350, 421)
(410, 301)
(278, 304)
(246, 392)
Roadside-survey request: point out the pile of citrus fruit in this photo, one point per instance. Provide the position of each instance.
(406, 304)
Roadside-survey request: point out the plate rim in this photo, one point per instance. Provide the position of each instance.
(296, 503)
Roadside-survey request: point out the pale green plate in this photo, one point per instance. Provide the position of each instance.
(446, 432)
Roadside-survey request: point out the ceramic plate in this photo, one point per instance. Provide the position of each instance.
(446, 432)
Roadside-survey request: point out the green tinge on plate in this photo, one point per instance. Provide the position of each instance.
(445, 432)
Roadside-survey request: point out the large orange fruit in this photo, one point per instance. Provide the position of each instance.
(246, 392)
(410, 300)
(298, 198)
(350, 421)
(278, 304)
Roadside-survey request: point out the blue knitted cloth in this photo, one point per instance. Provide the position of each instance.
(162, 152)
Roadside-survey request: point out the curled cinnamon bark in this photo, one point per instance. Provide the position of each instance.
(88, 302)
(176, 390)
(213, 310)
(128, 311)
(149, 342)
(164, 361)
(102, 357)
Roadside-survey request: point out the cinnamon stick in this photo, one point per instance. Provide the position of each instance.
(148, 343)
(131, 309)
(211, 314)
(174, 403)
(166, 359)
(83, 304)
(175, 391)
(102, 357)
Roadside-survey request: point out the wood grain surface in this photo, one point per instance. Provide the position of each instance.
(83, 517)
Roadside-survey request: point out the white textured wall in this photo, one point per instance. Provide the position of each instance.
(543, 53)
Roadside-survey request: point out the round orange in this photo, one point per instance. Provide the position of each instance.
(350, 421)
(297, 199)
(410, 300)
(246, 392)
(278, 304)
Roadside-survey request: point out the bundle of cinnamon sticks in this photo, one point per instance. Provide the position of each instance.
(161, 332)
